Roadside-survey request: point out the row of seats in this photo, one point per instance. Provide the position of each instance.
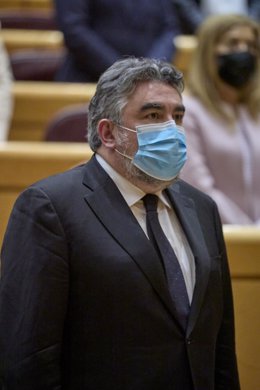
(35, 56)
(30, 34)
(31, 37)
(36, 50)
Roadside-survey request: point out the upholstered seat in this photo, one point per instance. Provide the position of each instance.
(25, 19)
(36, 64)
(68, 125)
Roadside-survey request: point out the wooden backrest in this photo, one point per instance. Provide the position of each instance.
(19, 39)
(35, 103)
(23, 163)
(26, 4)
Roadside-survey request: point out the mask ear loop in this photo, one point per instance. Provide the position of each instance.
(116, 150)
(123, 154)
(126, 128)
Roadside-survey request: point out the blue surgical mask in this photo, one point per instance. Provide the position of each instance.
(161, 149)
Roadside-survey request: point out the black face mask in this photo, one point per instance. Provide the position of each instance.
(237, 68)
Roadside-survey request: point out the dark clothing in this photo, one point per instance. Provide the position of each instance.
(99, 32)
(83, 299)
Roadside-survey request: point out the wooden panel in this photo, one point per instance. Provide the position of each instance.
(16, 39)
(23, 163)
(243, 247)
(36, 102)
(185, 46)
(26, 4)
(247, 315)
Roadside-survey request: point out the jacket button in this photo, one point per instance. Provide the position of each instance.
(189, 341)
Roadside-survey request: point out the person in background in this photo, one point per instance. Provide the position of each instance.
(6, 100)
(114, 273)
(192, 12)
(98, 32)
(222, 118)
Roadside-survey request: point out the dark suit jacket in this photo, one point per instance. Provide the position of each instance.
(83, 297)
(99, 32)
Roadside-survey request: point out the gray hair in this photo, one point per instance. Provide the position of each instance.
(118, 82)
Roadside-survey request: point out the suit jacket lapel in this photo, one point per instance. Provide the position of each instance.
(106, 201)
(103, 195)
(186, 212)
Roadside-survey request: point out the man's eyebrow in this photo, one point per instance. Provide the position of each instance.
(180, 107)
(151, 105)
(159, 106)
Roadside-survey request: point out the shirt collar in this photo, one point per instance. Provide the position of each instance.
(129, 191)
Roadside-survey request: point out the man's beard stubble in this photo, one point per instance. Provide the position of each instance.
(133, 173)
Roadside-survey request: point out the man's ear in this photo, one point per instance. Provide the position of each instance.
(106, 133)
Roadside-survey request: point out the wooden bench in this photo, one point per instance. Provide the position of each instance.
(26, 4)
(23, 163)
(19, 39)
(36, 102)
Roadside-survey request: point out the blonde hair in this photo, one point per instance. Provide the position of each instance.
(203, 74)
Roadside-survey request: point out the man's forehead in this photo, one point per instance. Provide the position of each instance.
(155, 92)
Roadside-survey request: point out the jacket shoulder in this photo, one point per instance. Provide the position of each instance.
(184, 188)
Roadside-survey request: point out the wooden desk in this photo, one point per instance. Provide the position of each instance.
(36, 102)
(18, 39)
(26, 4)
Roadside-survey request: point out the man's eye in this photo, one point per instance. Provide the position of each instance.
(153, 115)
(178, 118)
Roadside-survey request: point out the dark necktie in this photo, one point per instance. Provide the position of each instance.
(176, 283)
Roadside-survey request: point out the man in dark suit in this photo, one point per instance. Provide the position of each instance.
(99, 32)
(87, 301)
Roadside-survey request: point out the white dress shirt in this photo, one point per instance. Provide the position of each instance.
(168, 220)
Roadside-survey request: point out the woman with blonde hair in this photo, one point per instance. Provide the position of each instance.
(222, 119)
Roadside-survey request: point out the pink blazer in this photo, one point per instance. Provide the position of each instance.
(224, 162)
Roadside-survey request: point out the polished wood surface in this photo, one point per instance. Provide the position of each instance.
(243, 246)
(18, 39)
(185, 46)
(26, 4)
